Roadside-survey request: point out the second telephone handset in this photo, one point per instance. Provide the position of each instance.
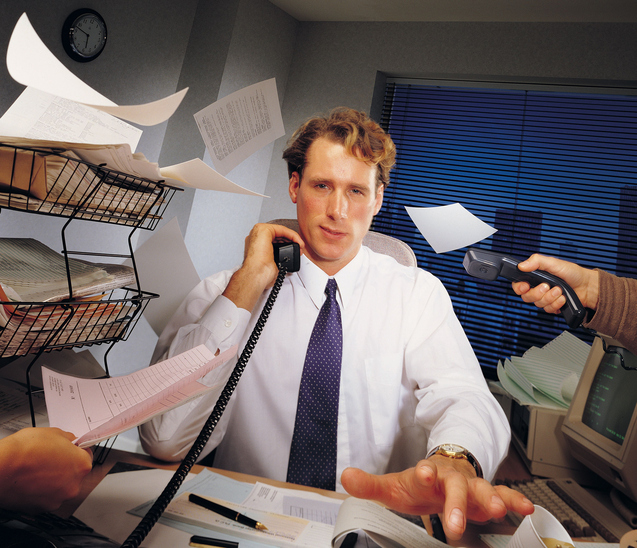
(488, 265)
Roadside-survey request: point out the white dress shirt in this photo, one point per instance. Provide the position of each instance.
(409, 380)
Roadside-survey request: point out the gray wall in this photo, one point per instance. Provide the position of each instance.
(337, 64)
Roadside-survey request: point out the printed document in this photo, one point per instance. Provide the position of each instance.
(98, 409)
(241, 123)
(36, 114)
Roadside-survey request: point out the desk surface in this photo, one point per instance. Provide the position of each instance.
(512, 468)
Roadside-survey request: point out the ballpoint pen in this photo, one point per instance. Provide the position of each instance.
(207, 542)
(226, 512)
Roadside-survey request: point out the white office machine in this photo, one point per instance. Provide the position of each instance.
(596, 439)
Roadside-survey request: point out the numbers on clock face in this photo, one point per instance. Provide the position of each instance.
(88, 35)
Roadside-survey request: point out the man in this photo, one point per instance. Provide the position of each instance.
(409, 380)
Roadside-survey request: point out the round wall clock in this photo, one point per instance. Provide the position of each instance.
(84, 35)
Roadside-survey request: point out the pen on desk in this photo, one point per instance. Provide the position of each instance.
(226, 512)
(207, 542)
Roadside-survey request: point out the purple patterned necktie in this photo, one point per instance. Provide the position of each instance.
(313, 450)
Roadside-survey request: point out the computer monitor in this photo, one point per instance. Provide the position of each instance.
(600, 427)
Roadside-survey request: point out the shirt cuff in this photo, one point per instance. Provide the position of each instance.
(226, 322)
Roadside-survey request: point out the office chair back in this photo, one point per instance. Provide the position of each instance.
(376, 241)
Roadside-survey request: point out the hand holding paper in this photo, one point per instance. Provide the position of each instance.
(98, 409)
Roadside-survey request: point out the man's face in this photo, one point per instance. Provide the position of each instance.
(335, 203)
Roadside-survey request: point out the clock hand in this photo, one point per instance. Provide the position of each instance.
(85, 33)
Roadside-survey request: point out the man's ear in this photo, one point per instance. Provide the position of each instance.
(293, 189)
(380, 193)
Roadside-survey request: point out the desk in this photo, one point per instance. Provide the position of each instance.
(512, 468)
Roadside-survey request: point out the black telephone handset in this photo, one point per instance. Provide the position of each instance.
(288, 255)
(488, 265)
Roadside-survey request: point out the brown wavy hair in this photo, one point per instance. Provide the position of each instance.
(359, 134)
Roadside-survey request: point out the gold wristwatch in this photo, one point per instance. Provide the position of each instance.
(454, 451)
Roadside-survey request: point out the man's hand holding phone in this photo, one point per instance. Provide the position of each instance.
(259, 269)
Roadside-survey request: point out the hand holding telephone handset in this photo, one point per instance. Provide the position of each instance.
(488, 265)
(287, 258)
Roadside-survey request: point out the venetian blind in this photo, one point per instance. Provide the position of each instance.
(553, 171)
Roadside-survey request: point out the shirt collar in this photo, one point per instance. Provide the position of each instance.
(314, 279)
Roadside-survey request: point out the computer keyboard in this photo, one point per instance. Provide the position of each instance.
(581, 514)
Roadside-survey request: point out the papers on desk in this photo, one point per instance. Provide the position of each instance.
(98, 409)
(55, 186)
(40, 114)
(32, 272)
(293, 517)
(545, 376)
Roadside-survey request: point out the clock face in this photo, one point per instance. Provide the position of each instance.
(84, 35)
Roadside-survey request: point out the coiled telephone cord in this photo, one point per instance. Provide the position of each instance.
(157, 509)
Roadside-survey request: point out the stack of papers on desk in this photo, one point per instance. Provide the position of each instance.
(545, 376)
(293, 517)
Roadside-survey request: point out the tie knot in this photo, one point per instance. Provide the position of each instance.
(330, 289)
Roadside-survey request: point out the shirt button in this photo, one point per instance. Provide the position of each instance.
(227, 323)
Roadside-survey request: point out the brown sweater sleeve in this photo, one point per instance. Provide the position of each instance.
(616, 314)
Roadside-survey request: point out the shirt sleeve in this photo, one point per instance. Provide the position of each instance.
(205, 317)
(615, 315)
(454, 401)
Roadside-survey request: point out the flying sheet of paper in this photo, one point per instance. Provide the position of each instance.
(173, 284)
(449, 227)
(241, 123)
(36, 114)
(30, 63)
(196, 173)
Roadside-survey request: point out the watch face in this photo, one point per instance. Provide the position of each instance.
(451, 448)
(84, 35)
